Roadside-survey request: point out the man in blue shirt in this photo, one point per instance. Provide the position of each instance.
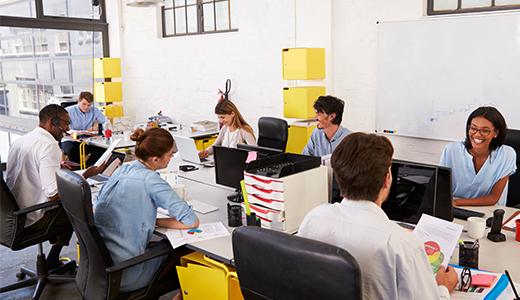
(84, 117)
(328, 135)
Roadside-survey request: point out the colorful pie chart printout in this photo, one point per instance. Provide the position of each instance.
(434, 254)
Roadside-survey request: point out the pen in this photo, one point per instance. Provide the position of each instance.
(475, 244)
(512, 285)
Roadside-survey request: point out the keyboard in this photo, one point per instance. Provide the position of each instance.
(464, 214)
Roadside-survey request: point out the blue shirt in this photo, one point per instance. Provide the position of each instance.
(468, 184)
(319, 144)
(125, 213)
(84, 120)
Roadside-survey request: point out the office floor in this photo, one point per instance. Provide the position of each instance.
(11, 261)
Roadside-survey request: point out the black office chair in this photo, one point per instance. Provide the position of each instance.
(14, 235)
(513, 192)
(66, 104)
(273, 133)
(97, 276)
(276, 265)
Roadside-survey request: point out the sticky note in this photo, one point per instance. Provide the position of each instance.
(251, 155)
(484, 280)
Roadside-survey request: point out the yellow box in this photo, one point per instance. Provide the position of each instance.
(204, 278)
(107, 67)
(204, 143)
(303, 63)
(298, 101)
(298, 137)
(108, 91)
(114, 111)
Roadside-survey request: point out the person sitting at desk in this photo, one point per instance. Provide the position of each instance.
(329, 132)
(393, 261)
(481, 165)
(234, 131)
(125, 211)
(84, 117)
(31, 174)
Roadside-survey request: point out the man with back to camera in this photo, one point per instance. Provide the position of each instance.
(84, 117)
(32, 163)
(393, 262)
(328, 135)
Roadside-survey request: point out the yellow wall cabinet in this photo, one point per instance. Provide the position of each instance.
(107, 67)
(298, 137)
(303, 63)
(113, 111)
(108, 92)
(298, 101)
(203, 278)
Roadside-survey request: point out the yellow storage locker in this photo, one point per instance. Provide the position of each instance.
(303, 63)
(114, 111)
(108, 91)
(298, 101)
(204, 143)
(107, 67)
(298, 137)
(204, 278)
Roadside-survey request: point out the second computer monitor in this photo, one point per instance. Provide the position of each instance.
(419, 188)
(230, 164)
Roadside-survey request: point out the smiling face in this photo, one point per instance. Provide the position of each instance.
(480, 133)
(226, 119)
(324, 120)
(59, 130)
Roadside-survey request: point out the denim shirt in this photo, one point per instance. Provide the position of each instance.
(320, 145)
(468, 184)
(125, 213)
(84, 120)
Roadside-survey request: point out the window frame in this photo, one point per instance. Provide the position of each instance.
(199, 4)
(459, 10)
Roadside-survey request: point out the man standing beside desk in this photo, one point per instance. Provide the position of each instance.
(328, 135)
(84, 117)
(393, 261)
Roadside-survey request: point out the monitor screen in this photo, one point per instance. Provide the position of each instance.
(262, 152)
(416, 189)
(230, 164)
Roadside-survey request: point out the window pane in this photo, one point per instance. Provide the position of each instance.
(234, 19)
(168, 21)
(21, 8)
(180, 2)
(190, 2)
(222, 15)
(61, 63)
(70, 8)
(506, 2)
(475, 3)
(209, 17)
(192, 19)
(180, 20)
(168, 3)
(444, 4)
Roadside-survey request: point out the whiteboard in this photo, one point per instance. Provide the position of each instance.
(433, 73)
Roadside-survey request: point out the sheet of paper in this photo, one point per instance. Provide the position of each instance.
(439, 237)
(201, 207)
(107, 153)
(202, 233)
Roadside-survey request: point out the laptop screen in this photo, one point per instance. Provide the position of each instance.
(114, 162)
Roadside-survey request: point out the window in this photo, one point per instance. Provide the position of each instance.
(46, 51)
(438, 7)
(186, 17)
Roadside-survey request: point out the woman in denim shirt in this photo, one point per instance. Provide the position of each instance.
(125, 210)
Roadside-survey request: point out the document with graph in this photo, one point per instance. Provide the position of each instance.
(179, 237)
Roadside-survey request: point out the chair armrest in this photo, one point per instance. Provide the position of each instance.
(36, 207)
(148, 255)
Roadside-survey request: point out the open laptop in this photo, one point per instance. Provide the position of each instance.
(188, 151)
(115, 160)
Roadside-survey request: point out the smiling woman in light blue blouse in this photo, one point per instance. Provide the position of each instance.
(481, 165)
(125, 210)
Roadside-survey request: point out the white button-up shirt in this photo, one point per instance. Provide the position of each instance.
(31, 170)
(392, 261)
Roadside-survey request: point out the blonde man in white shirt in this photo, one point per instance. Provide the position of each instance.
(31, 174)
(393, 262)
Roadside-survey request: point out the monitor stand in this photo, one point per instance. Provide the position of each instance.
(236, 197)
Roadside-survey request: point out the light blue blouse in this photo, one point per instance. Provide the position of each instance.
(465, 183)
(320, 145)
(84, 120)
(125, 212)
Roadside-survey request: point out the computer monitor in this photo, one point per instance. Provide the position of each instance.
(230, 164)
(416, 189)
(262, 152)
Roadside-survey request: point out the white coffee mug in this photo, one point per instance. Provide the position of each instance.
(476, 227)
